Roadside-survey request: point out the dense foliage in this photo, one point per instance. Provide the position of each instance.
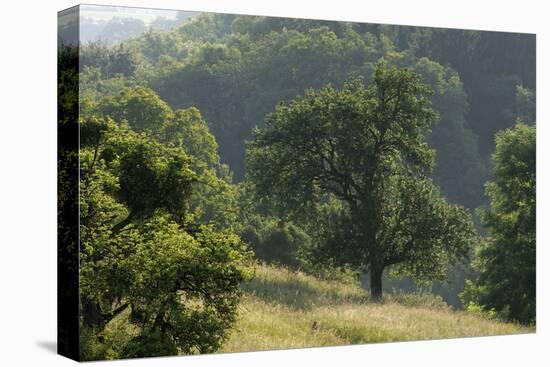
(150, 246)
(365, 146)
(236, 68)
(329, 148)
(506, 282)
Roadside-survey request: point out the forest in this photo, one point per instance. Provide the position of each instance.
(252, 183)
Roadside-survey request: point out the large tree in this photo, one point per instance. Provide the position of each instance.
(367, 147)
(507, 262)
(151, 252)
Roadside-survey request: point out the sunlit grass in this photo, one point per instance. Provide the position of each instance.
(280, 308)
(300, 291)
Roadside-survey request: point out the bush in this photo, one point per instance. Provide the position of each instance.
(276, 242)
(479, 311)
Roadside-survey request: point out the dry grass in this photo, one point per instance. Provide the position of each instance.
(280, 308)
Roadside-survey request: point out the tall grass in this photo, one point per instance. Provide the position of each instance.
(288, 309)
(285, 309)
(296, 290)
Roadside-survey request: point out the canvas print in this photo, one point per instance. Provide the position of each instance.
(232, 183)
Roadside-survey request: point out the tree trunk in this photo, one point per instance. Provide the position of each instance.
(91, 314)
(376, 283)
(120, 225)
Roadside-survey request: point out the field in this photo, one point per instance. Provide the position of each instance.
(285, 309)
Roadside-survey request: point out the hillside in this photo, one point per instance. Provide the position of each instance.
(280, 308)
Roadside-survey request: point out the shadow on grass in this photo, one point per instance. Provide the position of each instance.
(362, 334)
(299, 294)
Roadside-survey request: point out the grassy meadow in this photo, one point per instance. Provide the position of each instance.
(280, 308)
(284, 309)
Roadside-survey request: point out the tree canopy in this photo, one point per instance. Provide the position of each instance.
(507, 261)
(148, 248)
(367, 147)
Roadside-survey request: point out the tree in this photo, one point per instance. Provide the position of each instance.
(491, 64)
(144, 253)
(109, 60)
(236, 80)
(367, 147)
(119, 29)
(123, 61)
(274, 241)
(526, 105)
(507, 262)
(458, 170)
(214, 199)
(139, 106)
